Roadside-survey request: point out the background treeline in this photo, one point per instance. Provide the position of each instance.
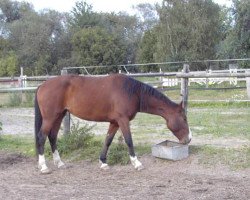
(176, 30)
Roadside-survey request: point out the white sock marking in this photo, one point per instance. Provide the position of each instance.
(57, 160)
(42, 163)
(135, 162)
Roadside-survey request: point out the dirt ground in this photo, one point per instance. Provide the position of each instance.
(185, 179)
(20, 179)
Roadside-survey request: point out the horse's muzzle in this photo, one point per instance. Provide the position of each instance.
(187, 139)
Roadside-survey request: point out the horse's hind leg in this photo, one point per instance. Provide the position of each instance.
(124, 125)
(53, 143)
(113, 127)
(41, 139)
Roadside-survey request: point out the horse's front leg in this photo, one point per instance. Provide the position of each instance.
(113, 127)
(125, 128)
(56, 157)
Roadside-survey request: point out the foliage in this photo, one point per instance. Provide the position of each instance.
(8, 65)
(15, 99)
(18, 144)
(237, 40)
(18, 99)
(147, 50)
(82, 16)
(46, 41)
(95, 46)
(79, 138)
(188, 30)
(118, 154)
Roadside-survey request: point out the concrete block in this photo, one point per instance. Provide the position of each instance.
(170, 150)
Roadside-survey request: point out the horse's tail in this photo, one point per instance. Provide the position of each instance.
(38, 121)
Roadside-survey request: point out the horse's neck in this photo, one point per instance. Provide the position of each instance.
(155, 106)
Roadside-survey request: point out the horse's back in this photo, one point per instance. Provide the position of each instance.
(91, 98)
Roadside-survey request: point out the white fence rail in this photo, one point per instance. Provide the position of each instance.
(167, 79)
(183, 78)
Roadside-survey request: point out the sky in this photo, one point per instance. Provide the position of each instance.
(98, 5)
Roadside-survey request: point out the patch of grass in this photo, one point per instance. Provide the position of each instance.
(28, 100)
(234, 158)
(19, 144)
(218, 104)
(229, 95)
(21, 99)
(15, 99)
(220, 122)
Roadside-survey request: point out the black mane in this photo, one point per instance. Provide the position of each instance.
(135, 87)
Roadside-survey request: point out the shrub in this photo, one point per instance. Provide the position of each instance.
(15, 99)
(78, 138)
(118, 154)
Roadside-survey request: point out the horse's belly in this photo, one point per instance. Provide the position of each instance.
(91, 112)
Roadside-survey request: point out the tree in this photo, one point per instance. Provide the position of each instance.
(148, 16)
(147, 50)
(8, 65)
(35, 38)
(188, 30)
(96, 47)
(236, 42)
(242, 27)
(82, 16)
(124, 28)
(11, 11)
(8, 59)
(127, 30)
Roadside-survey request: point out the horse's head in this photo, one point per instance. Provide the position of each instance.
(177, 123)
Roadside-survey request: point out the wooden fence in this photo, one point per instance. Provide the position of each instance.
(184, 76)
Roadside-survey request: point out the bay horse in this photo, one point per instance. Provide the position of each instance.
(114, 98)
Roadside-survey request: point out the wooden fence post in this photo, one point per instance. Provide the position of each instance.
(248, 84)
(66, 119)
(184, 87)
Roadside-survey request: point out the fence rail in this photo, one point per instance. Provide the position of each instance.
(171, 78)
(184, 76)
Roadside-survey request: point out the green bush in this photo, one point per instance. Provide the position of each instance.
(28, 99)
(15, 99)
(78, 138)
(118, 154)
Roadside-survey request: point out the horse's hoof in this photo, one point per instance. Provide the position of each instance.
(61, 165)
(105, 166)
(139, 168)
(46, 171)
